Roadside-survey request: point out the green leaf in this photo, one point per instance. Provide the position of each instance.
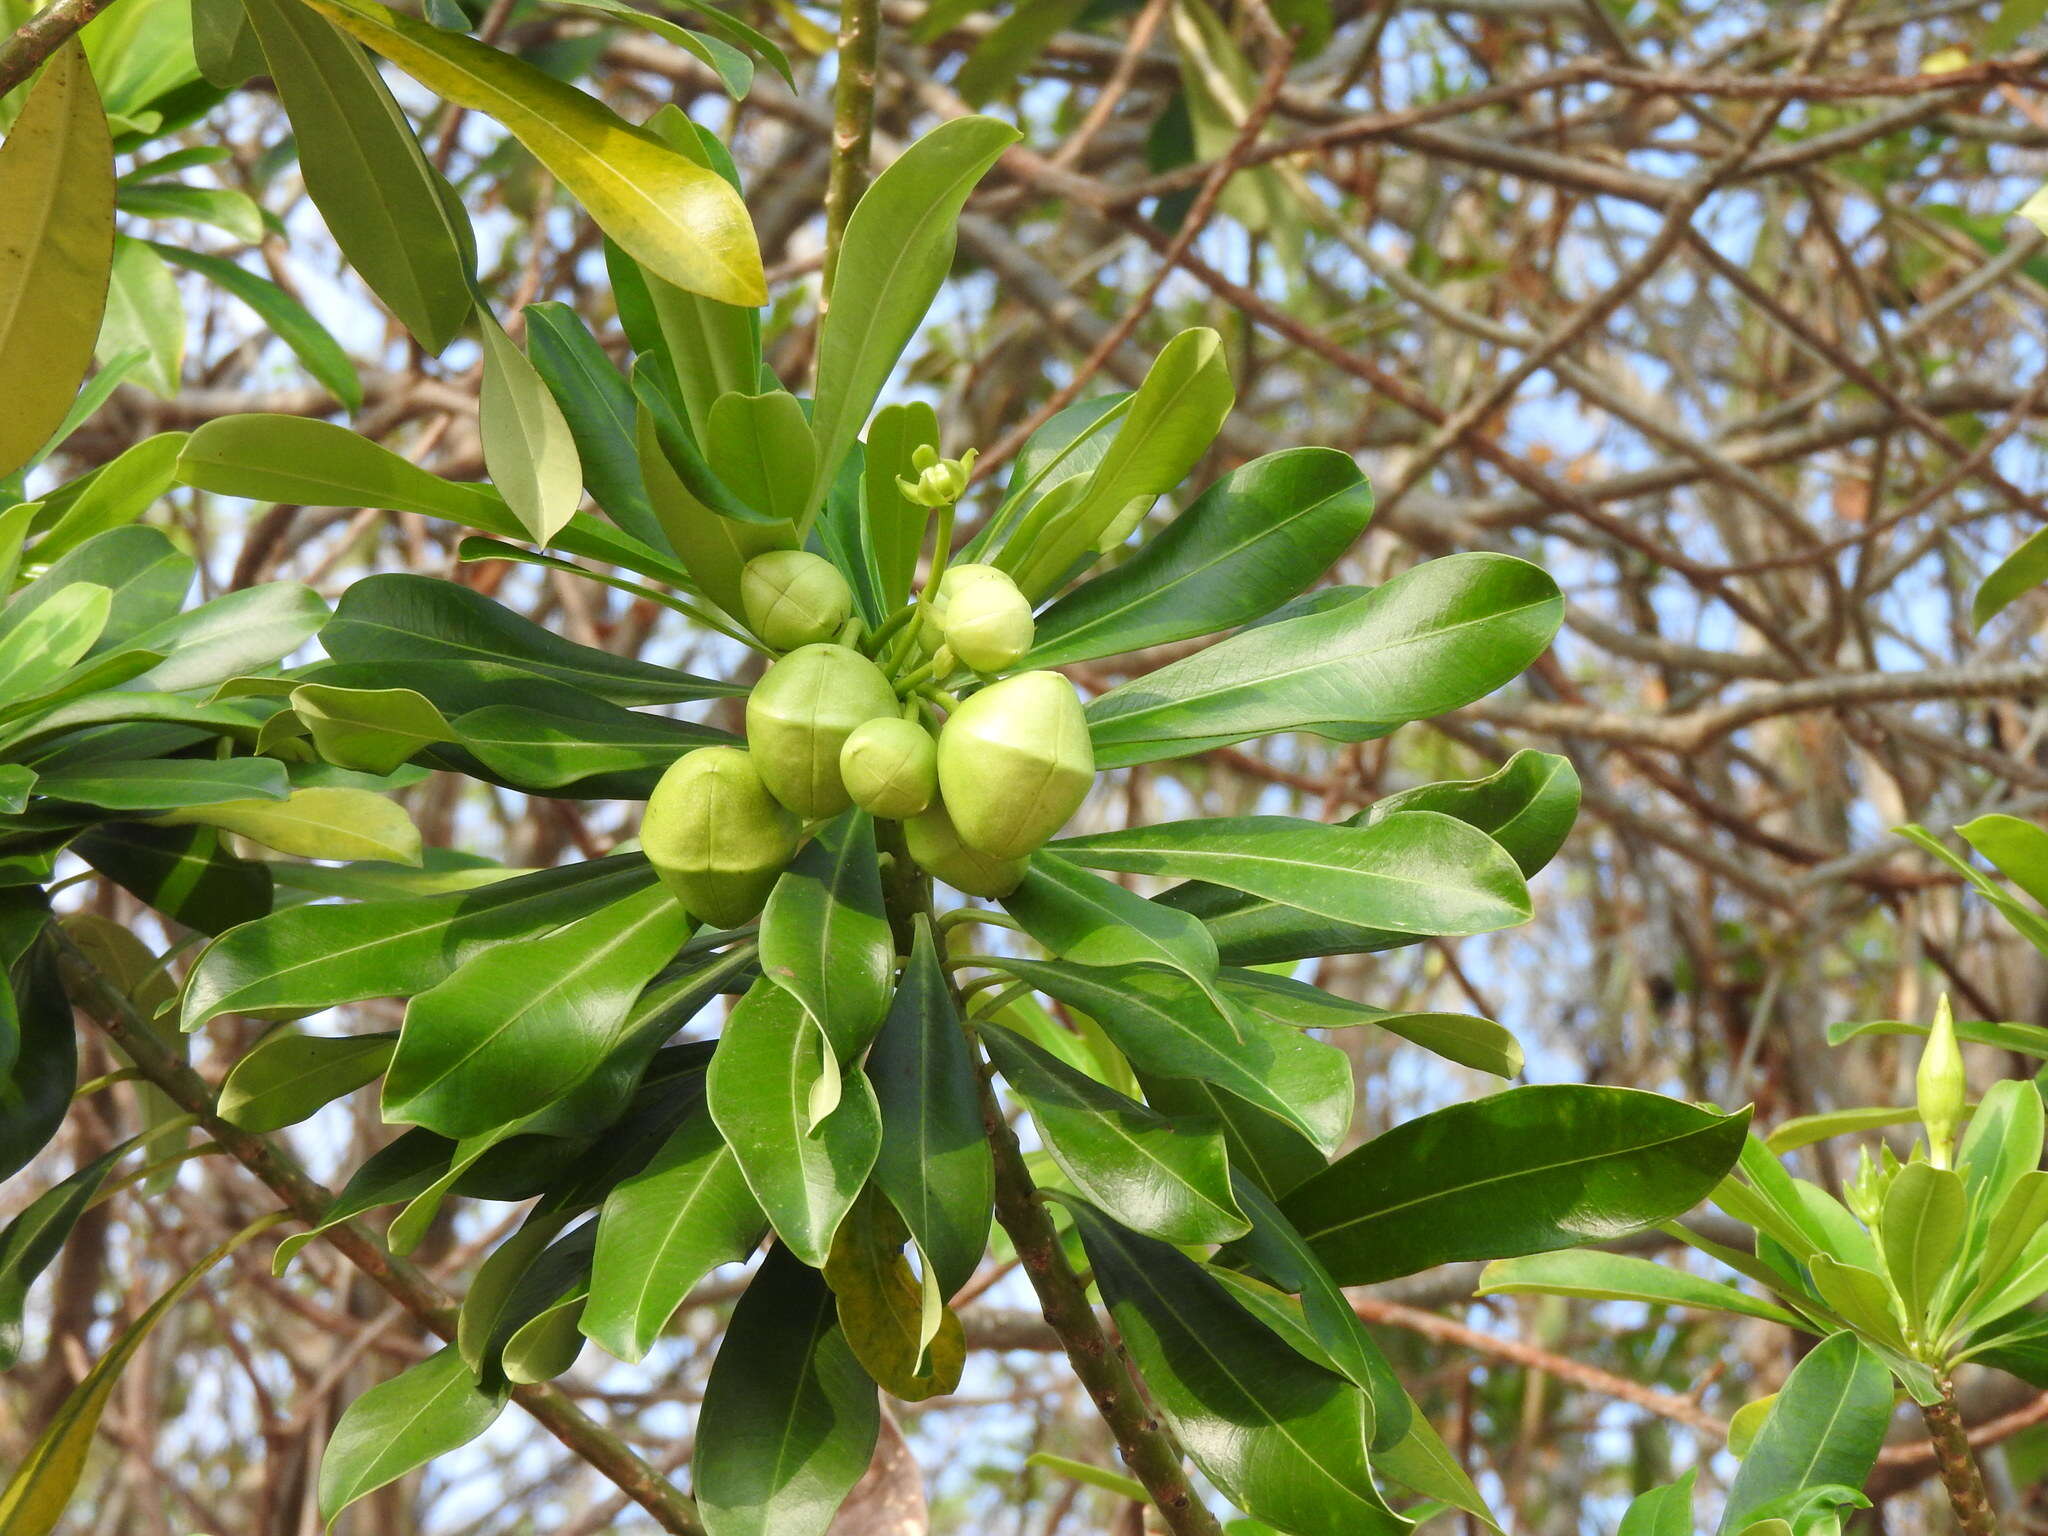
(897, 250)
(528, 448)
(391, 213)
(1162, 434)
(2016, 1221)
(232, 212)
(518, 1026)
(892, 1319)
(57, 196)
(2014, 20)
(2003, 1141)
(1433, 639)
(144, 310)
(1471, 1042)
(714, 548)
(734, 69)
(181, 871)
(2027, 1039)
(1524, 1171)
(1826, 1426)
(1085, 1472)
(1922, 1232)
(2017, 849)
(110, 496)
(789, 1420)
(594, 749)
(824, 938)
(761, 447)
(233, 634)
(1167, 1025)
(34, 1499)
(34, 1237)
(370, 730)
(399, 1425)
(224, 45)
(288, 1077)
(893, 526)
(597, 403)
(148, 577)
(1248, 543)
(1806, 1130)
(285, 317)
(51, 641)
(315, 824)
(662, 1230)
(1087, 920)
(677, 219)
(934, 1164)
(1168, 1181)
(1859, 1297)
(767, 1082)
(1618, 1277)
(1527, 805)
(302, 959)
(1284, 1439)
(166, 783)
(2011, 579)
(1665, 1511)
(1418, 872)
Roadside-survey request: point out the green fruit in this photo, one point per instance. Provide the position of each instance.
(891, 767)
(799, 716)
(715, 835)
(957, 579)
(934, 842)
(988, 624)
(1015, 762)
(794, 598)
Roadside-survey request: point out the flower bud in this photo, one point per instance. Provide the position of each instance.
(799, 716)
(1864, 1194)
(794, 598)
(891, 767)
(988, 624)
(934, 842)
(1015, 763)
(940, 482)
(957, 579)
(1943, 1085)
(715, 835)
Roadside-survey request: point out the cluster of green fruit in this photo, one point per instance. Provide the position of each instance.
(839, 720)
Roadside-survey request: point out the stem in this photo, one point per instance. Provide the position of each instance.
(1148, 1447)
(42, 35)
(853, 124)
(111, 1009)
(1960, 1473)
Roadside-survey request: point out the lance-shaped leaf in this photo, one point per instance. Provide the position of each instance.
(111, 496)
(1665, 1511)
(371, 730)
(1166, 1180)
(288, 1077)
(824, 937)
(761, 447)
(1471, 1042)
(672, 215)
(1923, 1234)
(167, 783)
(1248, 543)
(897, 250)
(1431, 640)
(934, 1164)
(893, 526)
(1285, 1439)
(32, 1239)
(315, 823)
(789, 1418)
(394, 217)
(1166, 1024)
(1418, 872)
(1826, 1426)
(662, 1230)
(805, 1138)
(285, 317)
(302, 959)
(181, 871)
(597, 403)
(1091, 921)
(1619, 1277)
(899, 1329)
(399, 1425)
(528, 448)
(1525, 1171)
(517, 1026)
(57, 200)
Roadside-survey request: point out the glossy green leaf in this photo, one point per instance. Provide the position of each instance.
(1922, 1233)
(183, 872)
(1431, 640)
(144, 310)
(1527, 805)
(597, 403)
(1665, 1511)
(734, 69)
(804, 1167)
(234, 634)
(934, 1163)
(517, 1026)
(1826, 1426)
(1166, 1180)
(824, 938)
(167, 783)
(528, 448)
(1285, 1440)
(1859, 1297)
(224, 208)
(897, 250)
(761, 446)
(2027, 1039)
(288, 1077)
(2002, 1143)
(371, 730)
(1620, 1277)
(57, 196)
(33, 1238)
(315, 824)
(285, 317)
(147, 575)
(1089, 1474)
(1524, 1171)
(2016, 1223)
(1806, 1130)
(790, 1419)
(713, 548)
(597, 749)
(901, 1333)
(302, 959)
(50, 642)
(1471, 1042)
(1248, 543)
(677, 219)
(1087, 920)
(110, 496)
(387, 208)
(892, 525)
(1166, 1024)
(401, 1424)
(2011, 579)
(2017, 849)
(224, 45)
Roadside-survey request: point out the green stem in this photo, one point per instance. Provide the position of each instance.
(1960, 1474)
(853, 123)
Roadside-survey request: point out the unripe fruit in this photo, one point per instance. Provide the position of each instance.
(1015, 762)
(935, 844)
(988, 624)
(794, 598)
(716, 836)
(799, 716)
(957, 579)
(891, 767)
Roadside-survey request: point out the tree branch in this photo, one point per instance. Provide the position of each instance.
(42, 35)
(853, 123)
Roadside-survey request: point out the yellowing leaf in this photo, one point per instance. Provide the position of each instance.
(527, 445)
(678, 219)
(56, 249)
(315, 824)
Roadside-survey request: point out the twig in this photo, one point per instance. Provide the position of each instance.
(853, 124)
(42, 35)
